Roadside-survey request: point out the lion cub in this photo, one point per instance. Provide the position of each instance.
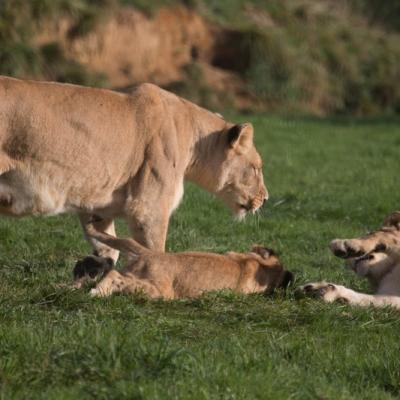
(189, 274)
(376, 257)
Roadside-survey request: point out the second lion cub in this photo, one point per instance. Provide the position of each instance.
(189, 274)
(376, 257)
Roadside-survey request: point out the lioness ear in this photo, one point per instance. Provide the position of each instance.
(240, 137)
(393, 220)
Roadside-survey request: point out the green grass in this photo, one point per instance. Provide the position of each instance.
(327, 179)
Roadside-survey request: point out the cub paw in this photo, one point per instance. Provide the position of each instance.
(90, 268)
(347, 248)
(94, 293)
(323, 290)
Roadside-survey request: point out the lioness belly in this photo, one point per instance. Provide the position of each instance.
(22, 194)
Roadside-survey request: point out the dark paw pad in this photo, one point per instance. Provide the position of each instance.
(92, 266)
(340, 253)
(352, 253)
(325, 289)
(380, 248)
(316, 290)
(308, 288)
(342, 300)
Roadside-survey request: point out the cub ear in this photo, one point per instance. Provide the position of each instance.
(264, 252)
(393, 220)
(240, 137)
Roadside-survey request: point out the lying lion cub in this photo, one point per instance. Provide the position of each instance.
(177, 275)
(376, 257)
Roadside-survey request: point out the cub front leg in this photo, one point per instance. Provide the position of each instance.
(103, 258)
(330, 292)
(375, 242)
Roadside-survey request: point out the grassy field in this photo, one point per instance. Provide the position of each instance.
(327, 179)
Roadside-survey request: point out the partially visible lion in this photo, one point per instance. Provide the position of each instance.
(66, 148)
(188, 274)
(376, 257)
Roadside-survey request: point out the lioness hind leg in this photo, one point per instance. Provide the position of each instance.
(5, 202)
(6, 198)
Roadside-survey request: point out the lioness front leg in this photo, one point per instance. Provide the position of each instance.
(148, 218)
(151, 232)
(103, 258)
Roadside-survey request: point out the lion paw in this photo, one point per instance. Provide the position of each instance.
(323, 290)
(91, 267)
(351, 248)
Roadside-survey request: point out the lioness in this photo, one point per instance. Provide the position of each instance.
(66, 148)
(376, 257)
(189, 274)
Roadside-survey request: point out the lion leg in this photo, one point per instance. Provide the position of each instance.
(111, 283)
(154, 194)
(115, 282)
(330, 292)
(151, 235)
(148, 227)
(103, 258)
(352, 248)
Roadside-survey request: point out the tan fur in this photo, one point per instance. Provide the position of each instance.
(66, 148)
(189, 274)
(376, 257)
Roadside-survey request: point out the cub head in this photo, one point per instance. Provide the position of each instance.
(240, 178)
(271, 271)
(373, 266)
(368, 256)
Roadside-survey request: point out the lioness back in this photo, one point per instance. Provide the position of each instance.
(70, 146)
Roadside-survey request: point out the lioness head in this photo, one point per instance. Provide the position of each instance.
(239, 175)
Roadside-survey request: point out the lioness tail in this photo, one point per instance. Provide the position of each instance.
(125, 245)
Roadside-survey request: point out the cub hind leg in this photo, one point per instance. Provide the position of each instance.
(115, 282)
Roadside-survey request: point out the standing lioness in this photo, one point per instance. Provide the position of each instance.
(66, 148)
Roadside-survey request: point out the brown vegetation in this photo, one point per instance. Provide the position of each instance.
(320, 57)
